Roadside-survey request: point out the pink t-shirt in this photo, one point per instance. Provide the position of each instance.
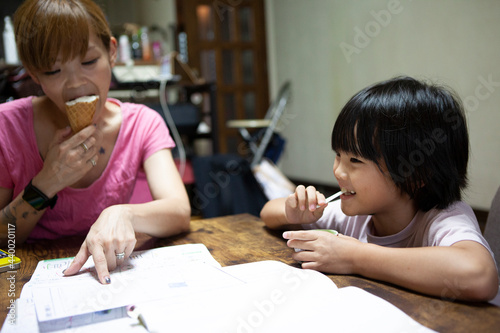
(433, 228)
(142, 133)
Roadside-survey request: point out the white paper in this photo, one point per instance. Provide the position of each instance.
(146, 275)
(183, 289)
(278, 298)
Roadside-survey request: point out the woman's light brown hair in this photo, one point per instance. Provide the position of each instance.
(47, 29)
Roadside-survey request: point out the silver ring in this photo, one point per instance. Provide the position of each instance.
(84, 146)
(92, 162)
(120, 256)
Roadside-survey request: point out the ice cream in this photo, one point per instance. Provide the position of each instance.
(81, 111)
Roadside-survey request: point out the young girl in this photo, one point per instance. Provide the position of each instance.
(56, 183)
(402, 150)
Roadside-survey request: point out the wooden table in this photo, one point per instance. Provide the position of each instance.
(244, 238)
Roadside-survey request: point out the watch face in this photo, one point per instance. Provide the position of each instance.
(37, 199)
(34, 199)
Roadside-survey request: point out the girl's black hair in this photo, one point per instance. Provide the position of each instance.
(420, 132)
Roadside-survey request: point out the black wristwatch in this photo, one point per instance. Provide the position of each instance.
(37, 199)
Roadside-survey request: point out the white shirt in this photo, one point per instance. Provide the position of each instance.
(437, 227)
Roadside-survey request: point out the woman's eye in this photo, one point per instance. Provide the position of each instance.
(93, 61)
(51, 72)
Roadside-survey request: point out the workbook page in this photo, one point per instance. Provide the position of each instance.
(145, 276)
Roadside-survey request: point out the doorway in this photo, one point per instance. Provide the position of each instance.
(225, 42)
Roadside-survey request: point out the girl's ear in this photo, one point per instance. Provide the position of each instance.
(113, 47)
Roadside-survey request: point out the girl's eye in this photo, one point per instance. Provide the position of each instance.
(93, 61)
(355, 160)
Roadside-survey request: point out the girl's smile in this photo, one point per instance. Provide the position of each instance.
(368, 190)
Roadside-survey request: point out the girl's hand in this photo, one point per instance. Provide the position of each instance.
(301, 207)
(110, 235)
(323, 251)
(68, 159)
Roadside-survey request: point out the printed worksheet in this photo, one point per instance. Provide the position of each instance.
(51, 271)
(147, 275)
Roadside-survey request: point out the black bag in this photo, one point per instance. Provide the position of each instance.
(225, 185)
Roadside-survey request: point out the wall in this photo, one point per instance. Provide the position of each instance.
(331, 49)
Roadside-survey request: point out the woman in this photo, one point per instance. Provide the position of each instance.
(57, 183)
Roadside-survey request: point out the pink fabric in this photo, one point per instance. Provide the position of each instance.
(142, 133)
(433, 228)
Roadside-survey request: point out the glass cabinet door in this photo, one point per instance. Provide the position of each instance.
(226, 42)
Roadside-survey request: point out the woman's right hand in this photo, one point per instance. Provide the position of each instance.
(68, 159)
(305, 205)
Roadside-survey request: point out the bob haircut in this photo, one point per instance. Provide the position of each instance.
(46, 29)
(418, 130)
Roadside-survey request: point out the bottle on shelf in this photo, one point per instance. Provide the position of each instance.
(145, 45)
(136, 47)
(156, 40)
(125, 49)
(157, 52)
(9, 43)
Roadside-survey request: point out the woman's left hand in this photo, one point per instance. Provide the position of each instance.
(110, 241)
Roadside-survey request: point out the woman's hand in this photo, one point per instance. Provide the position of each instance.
(323, 251)
(110, 235)
(301, 207)
(68, 159)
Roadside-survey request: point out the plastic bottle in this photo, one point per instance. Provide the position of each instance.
(9, 43)
(156, 40)
(157, 53)
(125, 50)
(146, 46)
(136, 47)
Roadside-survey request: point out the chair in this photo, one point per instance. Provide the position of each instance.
(225, 185)
(492, 229)
(259, 141)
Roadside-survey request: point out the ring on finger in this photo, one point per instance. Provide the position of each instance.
(84, 146)
(120, 255)
(92, 162)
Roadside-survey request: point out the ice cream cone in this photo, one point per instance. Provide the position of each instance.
(81, 112)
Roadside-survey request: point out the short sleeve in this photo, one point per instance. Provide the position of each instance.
(144, 131)
(158, 136)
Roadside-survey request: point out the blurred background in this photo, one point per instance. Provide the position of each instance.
(328, 50)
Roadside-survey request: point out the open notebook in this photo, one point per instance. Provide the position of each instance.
(183, 289)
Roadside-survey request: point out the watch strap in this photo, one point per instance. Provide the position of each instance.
(37, 199)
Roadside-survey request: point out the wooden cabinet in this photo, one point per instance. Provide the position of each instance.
(224, 41)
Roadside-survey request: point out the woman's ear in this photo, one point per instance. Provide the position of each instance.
(33, 77)
(113, 48)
